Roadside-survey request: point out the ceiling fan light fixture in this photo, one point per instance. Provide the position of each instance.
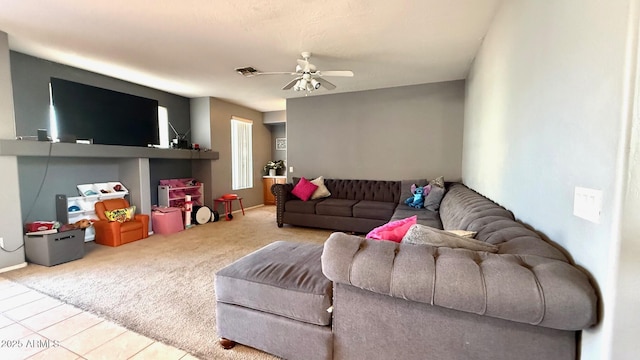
(297, 86)
(307, 77)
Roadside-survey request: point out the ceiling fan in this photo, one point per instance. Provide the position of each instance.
(307, 76)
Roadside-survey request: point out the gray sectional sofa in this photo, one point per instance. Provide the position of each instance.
(402, 301)
(354, 205)
(527, 301)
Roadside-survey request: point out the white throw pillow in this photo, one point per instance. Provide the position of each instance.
(321, 191)
(464, 233)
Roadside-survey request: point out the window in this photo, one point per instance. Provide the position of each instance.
(53, 122)
(163, 126)
(241, 154)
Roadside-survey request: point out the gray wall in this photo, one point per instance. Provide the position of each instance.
(389, 134)
(160, 169)
(30, 79)
(278, 131)
(545, 113)
(31, 75)
(62, 176)
(201, 122)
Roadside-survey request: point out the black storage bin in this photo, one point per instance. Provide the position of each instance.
(54, 249)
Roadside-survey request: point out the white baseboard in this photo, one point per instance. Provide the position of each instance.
(14, 267)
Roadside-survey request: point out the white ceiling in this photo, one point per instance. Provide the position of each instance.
(191, 47)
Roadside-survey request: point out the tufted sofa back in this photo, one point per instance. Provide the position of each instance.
(465, 209)
(462, 206)
(372, 190)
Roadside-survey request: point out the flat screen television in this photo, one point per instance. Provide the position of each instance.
(104, 116)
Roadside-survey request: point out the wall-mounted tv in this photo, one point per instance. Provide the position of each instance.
(104, 116)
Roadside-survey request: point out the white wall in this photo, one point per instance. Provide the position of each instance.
(10, 220)
(7, 119)
(626, 319)
(275, 117)
(545, 113)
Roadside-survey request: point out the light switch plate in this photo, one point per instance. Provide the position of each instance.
(587, 204)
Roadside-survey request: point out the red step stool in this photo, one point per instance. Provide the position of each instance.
(226, 199)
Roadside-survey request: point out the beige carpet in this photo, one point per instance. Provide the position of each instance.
(162, 287)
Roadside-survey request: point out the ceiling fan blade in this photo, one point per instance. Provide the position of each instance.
(276, 73)
(291, 83)
(344, 73)
(326, 84)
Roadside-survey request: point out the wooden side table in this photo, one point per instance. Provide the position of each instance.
(267, 182)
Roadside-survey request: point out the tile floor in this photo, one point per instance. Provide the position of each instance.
(35, 326)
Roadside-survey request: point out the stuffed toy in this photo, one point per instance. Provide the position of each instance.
(80, 224)
(419, 193)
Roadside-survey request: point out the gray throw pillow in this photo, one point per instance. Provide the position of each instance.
(425, 235)
(432, 201)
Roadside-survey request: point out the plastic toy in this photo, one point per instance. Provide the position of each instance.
(419, 193)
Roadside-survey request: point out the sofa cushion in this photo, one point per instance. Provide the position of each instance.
(282, 278)
(373, 190)
(523, 288)
(463, 208)
(302, 207)
(374, 210)
(424, 235)
(464, 233)
(425, 217)
(336, 207)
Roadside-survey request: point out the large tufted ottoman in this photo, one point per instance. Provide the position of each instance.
(276, 300)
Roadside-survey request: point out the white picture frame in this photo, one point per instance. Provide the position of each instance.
(281, 143)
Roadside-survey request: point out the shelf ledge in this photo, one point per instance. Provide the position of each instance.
(41, 148)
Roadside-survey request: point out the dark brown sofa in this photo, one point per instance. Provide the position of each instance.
(354, 205)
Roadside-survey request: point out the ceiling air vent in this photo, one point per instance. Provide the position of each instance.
(247, 71)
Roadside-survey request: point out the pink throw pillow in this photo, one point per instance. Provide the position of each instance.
(304, 189)
(394, 230)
